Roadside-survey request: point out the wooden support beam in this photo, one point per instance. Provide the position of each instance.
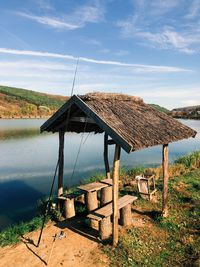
(61, 163)
(111, 142)
(105, 154)
(82, 119)
(115, 194)
(165, 164)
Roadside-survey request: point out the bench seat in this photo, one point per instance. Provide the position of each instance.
(102, 216)
(106, 211)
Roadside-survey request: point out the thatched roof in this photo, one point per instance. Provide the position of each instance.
(127, 120)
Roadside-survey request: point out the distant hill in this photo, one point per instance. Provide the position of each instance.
(191, 112)
(22, 103)
(159, 108)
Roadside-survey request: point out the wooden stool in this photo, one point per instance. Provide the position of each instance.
(106, 195)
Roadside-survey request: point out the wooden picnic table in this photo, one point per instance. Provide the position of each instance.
(91, 194)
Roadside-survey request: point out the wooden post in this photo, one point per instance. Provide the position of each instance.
(165, 163)
(105, 154)
(115, 194)
(91, 200)
(105, 228)
(61, 163)
(69, 209)
(126, 215)
(106, 195)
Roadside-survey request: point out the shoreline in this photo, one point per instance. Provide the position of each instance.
(24, 117)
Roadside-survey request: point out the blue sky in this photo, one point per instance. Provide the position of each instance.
(139, 47)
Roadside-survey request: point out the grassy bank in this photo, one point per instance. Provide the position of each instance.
(14, 233)
(173, 241)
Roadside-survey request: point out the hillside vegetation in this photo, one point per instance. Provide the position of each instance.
(23, 103)
(17, 102)
(159, 108)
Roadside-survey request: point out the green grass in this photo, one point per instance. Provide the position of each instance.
(13, 234)
(171, 241)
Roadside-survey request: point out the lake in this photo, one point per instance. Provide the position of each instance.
(28, 159)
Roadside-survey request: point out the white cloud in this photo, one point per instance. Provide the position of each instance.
(7, 65)
(151, 24)
(52, 22)
(88, 13)
(172, 92)
(137, 67)
(194, 9)
(191, 102)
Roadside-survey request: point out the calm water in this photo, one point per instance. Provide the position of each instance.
(28, 159)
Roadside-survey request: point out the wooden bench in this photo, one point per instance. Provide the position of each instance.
(103, 215)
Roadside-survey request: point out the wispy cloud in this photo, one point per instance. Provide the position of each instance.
(152, 24)
(194, 10)
(137, 67)
(92, 12)
(52, 22)
(191, 102)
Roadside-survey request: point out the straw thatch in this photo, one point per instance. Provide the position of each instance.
(127, 119)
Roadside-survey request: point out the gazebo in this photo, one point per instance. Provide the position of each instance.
(127, 123)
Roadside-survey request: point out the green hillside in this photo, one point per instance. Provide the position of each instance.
(17, 102)
(23, 103)
(159, 108)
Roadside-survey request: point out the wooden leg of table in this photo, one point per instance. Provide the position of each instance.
(91, 201)
(94, 224)
(126, 215)
(69, 209)
(105, 228)
(106, 195)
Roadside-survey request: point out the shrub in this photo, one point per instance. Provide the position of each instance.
(190, 161)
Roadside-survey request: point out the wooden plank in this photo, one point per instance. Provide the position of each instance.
(103, 125)
(107, 181)
(111, 142)
(95, 217)
(107, 210)
(92, 186)
(105, 155)
(165, 163)
(61, 163)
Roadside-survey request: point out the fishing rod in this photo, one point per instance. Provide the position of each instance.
(56, 169)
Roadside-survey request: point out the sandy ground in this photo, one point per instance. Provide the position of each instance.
(77, 248)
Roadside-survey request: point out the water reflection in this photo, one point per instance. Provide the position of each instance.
(28, 158)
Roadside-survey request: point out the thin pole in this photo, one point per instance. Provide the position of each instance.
(48, 205)
(74, 80)
(105, 154)
(115, 194)
(165, 163)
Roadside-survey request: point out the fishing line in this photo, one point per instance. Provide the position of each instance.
(48, 203)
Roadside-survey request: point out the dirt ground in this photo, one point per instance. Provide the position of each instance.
(77, 248)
